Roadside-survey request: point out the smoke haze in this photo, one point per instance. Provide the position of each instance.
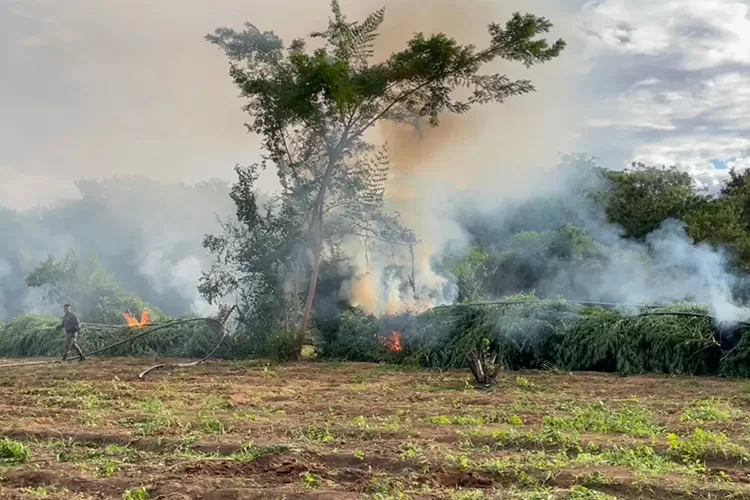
(146, 233)
(97, 89)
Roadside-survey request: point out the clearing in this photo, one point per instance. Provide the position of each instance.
(246, 430)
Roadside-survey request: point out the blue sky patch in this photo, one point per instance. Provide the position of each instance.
(719, 164)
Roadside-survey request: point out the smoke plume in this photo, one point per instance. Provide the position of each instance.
(494, 150)
(147, 234)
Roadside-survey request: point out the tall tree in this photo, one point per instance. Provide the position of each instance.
(312, 107)
(640, 198)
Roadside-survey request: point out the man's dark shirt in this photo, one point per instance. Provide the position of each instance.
(70, 323)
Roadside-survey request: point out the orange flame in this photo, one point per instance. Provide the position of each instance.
(393, 343)
(133, 321)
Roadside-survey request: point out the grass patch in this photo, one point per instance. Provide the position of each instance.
(252, 452)
(583, 493)
(702, 445)
(598, 418)
(547, 438)
(708, 410)
(456, 420)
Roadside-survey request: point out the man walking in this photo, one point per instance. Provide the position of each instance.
(72, 327)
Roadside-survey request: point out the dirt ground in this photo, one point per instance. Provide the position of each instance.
(326, 430)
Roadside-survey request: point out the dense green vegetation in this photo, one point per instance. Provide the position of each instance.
(283, 260)
(529, 333)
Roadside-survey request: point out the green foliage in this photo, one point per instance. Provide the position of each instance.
(641, 198)
(469, 271)
(13, 452)
(524, 262)
(282, 346)
(311, 109)
(737, 362)
(139, 493)
(528, 333)
(92, 291)
(598, 418)
(592, 343)
(669, 344)
(659, 343)
(702, 445)
(353, 337)
(30, 336)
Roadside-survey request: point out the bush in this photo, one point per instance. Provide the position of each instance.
(282, 346)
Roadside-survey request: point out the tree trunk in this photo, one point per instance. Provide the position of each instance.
(317, 226)
(317, 252)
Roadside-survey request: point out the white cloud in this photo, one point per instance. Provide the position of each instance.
(678, 87)
(695, 34)
(88, 95)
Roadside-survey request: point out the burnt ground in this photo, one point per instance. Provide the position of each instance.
(326, 430)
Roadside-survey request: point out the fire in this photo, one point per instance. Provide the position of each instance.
(394, 342)
(133, 321)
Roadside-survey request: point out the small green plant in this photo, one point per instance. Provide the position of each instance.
(211, 425)
(108, 468)
(13, 451)
(214, 402)
(320, 435)
(361, 423)
(595, 478)
(526, 385)
(411, 451)
(158, 417)
(139, 493)
(515, 420)
(310, 481)
(547, 438)
(385, 488)
(153, 405)
(154, 425)
(461, 461)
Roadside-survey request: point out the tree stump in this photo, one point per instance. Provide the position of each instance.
(485, 373)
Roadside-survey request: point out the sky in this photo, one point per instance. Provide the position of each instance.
(103, 88)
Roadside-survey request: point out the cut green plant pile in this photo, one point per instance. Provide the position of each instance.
(530, 333)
